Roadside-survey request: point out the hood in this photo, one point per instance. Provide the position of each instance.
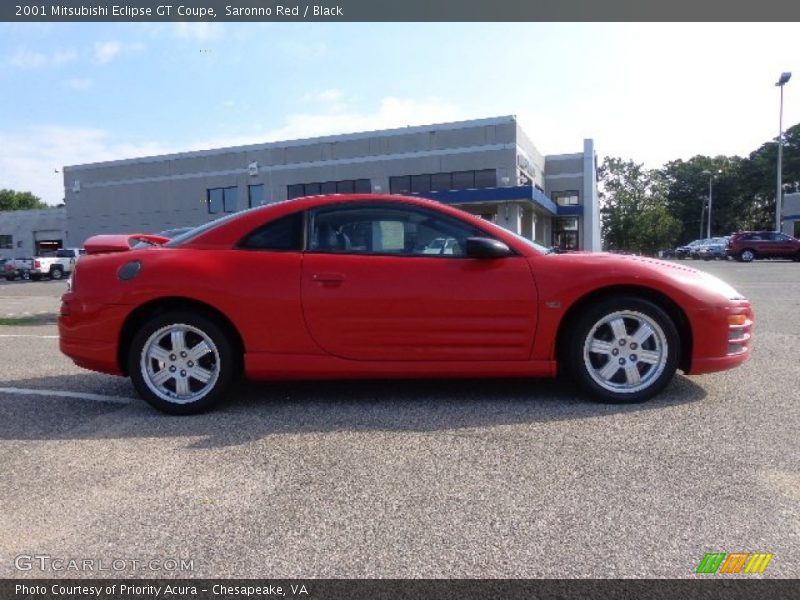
(642, 269)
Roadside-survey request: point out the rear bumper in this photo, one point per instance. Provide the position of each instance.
(90, 354)
(89, 333)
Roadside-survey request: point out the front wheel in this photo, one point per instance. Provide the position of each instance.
(747, 255)
(623, 350)
(182, 363)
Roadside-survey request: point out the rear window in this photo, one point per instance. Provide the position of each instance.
(285, 233)
(194, 232)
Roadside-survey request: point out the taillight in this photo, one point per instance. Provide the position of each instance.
(37, 264)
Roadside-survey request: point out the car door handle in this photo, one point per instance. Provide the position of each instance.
(328, 278)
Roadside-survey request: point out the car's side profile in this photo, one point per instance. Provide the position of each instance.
(747, 246)
(347, 287)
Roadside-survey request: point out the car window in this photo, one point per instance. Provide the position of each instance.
(285, 233)
(377, 228)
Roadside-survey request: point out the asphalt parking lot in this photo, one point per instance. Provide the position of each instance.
(404, 479)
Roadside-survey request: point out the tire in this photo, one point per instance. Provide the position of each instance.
(747, 255)
(611, 334)
(152, 354)
(56, 273)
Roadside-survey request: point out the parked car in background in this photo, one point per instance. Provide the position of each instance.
(747, 246)
(56, 266)
(372, 302)
(714, 249)
(17, 268)
(441, 246)
(689, 250)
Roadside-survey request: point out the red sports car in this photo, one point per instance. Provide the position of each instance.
(373, 286)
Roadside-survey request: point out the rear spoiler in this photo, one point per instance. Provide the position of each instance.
(99, 244)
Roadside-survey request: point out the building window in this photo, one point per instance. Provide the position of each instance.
(568, 198)
(223, 199)
(345, 186)
(463, 180)
(485, 178)
(442, 182)
(565, 234)
(420, 184)
(255, 195)
(400, 185)
(6, 242)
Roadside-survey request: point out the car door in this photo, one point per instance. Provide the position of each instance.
(371, 290)
(781, 245)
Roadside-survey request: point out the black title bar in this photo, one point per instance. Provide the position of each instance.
(402, 10)
(714, 587)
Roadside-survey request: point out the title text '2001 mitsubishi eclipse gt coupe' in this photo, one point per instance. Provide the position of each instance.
(345, 287)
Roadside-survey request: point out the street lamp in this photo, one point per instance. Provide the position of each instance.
(784, 79)
(710, 191)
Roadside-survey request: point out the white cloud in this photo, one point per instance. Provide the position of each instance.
(29, 158)
(201, 32)
(105, 52)
(391, 112)
(79, 84)
(30, 59)
(27, 59)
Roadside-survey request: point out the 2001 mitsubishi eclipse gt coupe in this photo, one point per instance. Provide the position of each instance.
(348, 287)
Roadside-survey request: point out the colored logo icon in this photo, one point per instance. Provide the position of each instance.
(741, 562)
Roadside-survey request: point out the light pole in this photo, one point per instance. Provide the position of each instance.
(785, 77)
(710, 192)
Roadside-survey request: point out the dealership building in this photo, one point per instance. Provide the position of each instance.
(25, 233)
(488, 167)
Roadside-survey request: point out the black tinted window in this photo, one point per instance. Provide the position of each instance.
(285, 233)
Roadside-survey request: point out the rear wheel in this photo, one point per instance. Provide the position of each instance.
(56, 273)
(182, 363)
(747, 255)
(624, 349)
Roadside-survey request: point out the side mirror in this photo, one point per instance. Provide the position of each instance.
(479, 247)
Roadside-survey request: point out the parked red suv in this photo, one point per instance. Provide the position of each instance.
(749, 245)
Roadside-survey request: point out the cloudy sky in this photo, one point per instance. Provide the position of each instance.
(78, 93)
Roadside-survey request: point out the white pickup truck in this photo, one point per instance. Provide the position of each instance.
(55, 267)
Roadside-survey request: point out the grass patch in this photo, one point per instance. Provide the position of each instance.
(20, 321)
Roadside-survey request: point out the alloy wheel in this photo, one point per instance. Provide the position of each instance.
(180, 363)
(625, 352)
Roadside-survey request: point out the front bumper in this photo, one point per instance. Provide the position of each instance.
(722, 337)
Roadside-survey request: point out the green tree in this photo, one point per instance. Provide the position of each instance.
(12, 200)
(633, 208)
(688, 189)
